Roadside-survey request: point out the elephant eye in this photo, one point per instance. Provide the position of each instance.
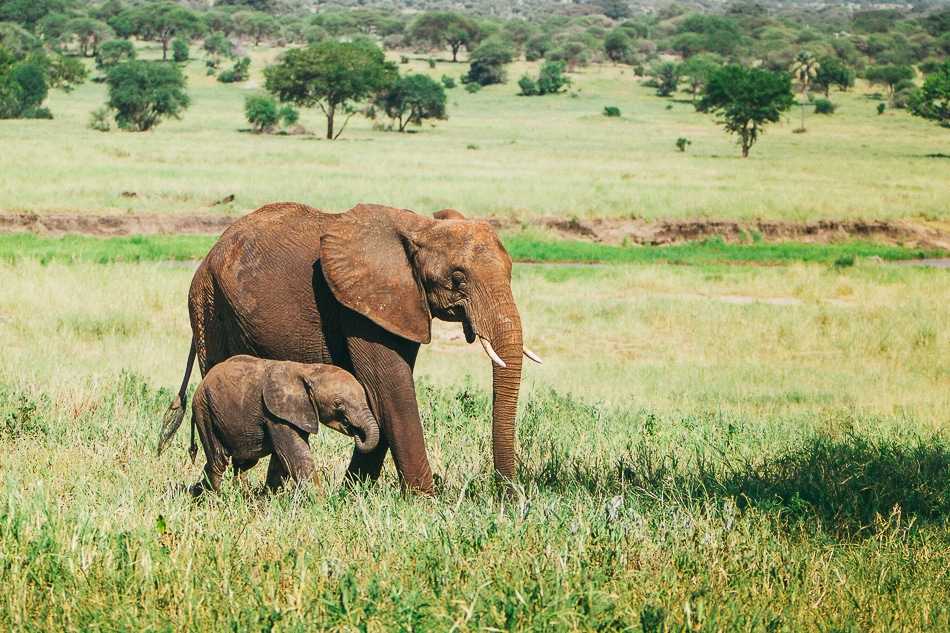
(458, 279)
(338, 403)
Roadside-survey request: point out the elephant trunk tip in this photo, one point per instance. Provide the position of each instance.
(366, 435)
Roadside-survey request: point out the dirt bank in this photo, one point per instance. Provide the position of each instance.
(607, 231)
(617, 232)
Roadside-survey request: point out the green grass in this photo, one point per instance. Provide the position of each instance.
(555, 155)
(755, 448)
(708, 252)
(75, 248)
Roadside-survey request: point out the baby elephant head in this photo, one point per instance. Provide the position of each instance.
(304, 395)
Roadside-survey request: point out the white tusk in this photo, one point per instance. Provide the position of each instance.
(491, 353)
(531, 355)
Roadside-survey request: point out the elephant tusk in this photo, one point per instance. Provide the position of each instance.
(531, 355)
(491, 353)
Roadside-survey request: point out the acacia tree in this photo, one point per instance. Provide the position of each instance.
(746, 99)
(888, 76)
(413, 99)
(143, 92)
(803, 68)
(832, 71)
(89, 34)
(438, 28)
(330, 74)
(256, 25)
(932, 100)
(161, 22)
(697, 70)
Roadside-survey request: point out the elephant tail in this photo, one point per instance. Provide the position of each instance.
(175, 414)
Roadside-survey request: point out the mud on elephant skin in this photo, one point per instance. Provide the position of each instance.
(248, 408)
(358, 290)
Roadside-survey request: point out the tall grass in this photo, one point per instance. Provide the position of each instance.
(521, 245)
(705, 448)
(554, 155)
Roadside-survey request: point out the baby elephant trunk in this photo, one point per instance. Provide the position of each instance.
(367, 432)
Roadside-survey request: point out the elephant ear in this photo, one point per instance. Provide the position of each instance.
(286, 395)
(448, 214)
(366, 254)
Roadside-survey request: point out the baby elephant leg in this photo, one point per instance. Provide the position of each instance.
(216, 455)
(291, 457)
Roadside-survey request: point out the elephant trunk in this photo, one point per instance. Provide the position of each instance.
(368, 436)
(505, 338)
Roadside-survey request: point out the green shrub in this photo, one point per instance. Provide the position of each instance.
(144, 92)
(179, 50)
(529, 87)
(611, 111)
(824, 106)
(682, 143)
(114, 52)
(473, 87)
(448, 82)
(261, 112)
(99, 120)
(236, 74)
(431, 62)
(880, 108)
(288, 114)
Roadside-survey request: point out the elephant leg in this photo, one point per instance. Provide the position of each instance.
(383, 364)
(276, 473)
(293, 450)
(240, 472)
(216, 455)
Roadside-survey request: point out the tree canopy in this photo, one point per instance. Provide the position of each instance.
(144, 92)
(330, 74)
(746, 99)
(413, 99)
(160, 22)
(438, 28)
(932, 100)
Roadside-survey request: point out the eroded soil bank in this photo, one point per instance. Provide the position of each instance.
(607, 231)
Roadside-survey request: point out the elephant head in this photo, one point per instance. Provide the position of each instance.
(400, 269)
(305, 395)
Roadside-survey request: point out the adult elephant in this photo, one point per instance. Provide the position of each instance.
(358, 290)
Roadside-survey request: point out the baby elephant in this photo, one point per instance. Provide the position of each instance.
(247, 408)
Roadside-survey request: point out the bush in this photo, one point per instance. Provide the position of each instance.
(179, 50)
(550, 81)
(261, 112)
(263, 115)
(611, 111)
(114, 52)
(143, 92)
(237, 73)
(289, 115)
(473, 87)
(824, 106)
(682, 143)
(529, 87)
(880, 108)
(99, 120)
(487, 64)
(448, 82)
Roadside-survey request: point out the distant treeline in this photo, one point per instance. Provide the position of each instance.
(605, 30)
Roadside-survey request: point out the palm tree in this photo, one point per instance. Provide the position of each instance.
(805, 66)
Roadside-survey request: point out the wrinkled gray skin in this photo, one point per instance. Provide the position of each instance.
(247, 408)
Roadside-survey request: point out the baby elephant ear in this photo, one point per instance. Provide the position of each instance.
(448, 214)
(286, 395)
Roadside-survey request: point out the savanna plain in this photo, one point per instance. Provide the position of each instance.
(707, 447)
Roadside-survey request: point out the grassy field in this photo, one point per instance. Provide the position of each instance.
(705, 448)
(498, 154)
